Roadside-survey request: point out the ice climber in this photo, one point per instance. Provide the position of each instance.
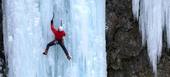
(59, 34)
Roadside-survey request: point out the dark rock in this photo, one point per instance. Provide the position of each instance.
(125, 55)
(3, 64)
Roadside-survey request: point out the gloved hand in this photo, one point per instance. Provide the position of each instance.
(52, 21)
(68, 57)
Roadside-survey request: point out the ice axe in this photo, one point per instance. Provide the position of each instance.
(52, 18)
(61, 24)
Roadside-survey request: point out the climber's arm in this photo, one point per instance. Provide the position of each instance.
(52, 27)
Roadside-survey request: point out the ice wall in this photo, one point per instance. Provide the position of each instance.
(27, 31)
(153, 17)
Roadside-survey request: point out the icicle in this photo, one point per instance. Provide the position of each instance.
(151, 22)
(135, 8)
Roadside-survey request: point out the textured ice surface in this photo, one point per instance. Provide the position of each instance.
(27, 32)
(153, 17)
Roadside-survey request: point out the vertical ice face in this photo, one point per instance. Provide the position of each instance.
(153, 17)
(84, 22)
(23, 39)
(27, 32)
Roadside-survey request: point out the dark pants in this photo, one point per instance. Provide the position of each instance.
(54, 42)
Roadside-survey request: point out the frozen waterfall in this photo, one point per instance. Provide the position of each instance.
(26, 29)
(153, 17)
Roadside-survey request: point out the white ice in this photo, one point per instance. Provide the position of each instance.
(27, 31)
(153, 17)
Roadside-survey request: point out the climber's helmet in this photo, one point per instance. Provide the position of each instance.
(60, 28)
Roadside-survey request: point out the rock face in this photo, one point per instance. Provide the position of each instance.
(126, 57)
(3, 63)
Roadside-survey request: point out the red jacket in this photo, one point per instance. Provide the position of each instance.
(58, 35)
